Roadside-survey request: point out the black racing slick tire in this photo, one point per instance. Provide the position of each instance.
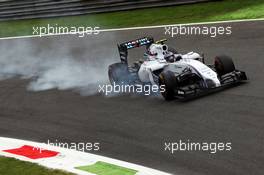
(167, 84)
(118, 73)
(224, 65)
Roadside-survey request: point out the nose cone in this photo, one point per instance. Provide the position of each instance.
(213, 83)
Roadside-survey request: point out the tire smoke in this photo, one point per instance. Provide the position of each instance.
(52, 67)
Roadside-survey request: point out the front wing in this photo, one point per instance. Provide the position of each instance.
(229, 80)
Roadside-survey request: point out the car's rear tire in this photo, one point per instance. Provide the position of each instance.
(167, 83)
(118, 73)
(224, 64)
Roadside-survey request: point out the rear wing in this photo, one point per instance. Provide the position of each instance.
(124, 47)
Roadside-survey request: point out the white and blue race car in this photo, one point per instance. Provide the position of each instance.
(178, 75)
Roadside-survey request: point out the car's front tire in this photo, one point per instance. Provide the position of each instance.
(224, 65)
(167, 83)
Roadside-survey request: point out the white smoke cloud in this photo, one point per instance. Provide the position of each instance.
(56, 68)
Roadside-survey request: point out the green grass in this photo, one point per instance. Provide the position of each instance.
(202, 12)
(10, 166)
(102, 168)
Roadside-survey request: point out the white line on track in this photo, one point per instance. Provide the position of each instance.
(144, 27)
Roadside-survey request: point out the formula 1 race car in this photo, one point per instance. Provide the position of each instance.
(177, 75)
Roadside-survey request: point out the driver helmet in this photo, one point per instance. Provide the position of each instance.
(157, 51)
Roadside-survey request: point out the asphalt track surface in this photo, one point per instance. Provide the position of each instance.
(134, 129)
